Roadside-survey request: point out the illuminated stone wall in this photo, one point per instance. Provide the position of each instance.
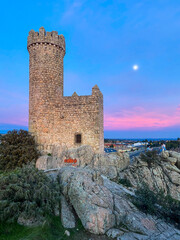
(55, 119)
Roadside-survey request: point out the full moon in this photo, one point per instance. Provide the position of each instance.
(135, 67)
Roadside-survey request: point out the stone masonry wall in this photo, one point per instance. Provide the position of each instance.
(54, 119)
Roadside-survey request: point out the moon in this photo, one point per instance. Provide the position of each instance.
(135, 67)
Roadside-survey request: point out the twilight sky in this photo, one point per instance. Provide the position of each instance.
(104, 39)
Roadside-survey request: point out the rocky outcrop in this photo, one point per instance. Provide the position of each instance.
(45, 162)
(91, 200)
(106, 207)
(68, 218)
(133, 223)
(165, 174)
(110, 164)
(107, 164)
(30, 221)
(83, 156)
(175, 155)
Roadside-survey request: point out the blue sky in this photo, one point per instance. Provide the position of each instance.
(104, 39)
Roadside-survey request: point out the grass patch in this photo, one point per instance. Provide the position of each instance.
(52, 229)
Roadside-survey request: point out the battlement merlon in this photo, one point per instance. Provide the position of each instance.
(96, 91)
(46, 37)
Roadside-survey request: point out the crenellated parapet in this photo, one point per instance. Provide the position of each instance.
(46, 37)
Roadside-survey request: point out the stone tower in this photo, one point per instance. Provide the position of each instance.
(55, 120)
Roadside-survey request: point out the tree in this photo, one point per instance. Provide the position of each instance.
(17, 148)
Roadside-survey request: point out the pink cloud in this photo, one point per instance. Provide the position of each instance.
(138, 117)
(135, 118)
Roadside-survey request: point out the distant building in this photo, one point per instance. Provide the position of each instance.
(137, 144)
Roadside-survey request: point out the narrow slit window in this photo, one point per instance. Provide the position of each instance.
(78, 138)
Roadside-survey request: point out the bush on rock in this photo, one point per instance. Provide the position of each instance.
(157, 203)
(150, 157)
(27, 193)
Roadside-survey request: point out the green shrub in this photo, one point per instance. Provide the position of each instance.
(157, 203)
(27, 192)
(171, 145)
(17, 148)
(150, 157)
(125, 182)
